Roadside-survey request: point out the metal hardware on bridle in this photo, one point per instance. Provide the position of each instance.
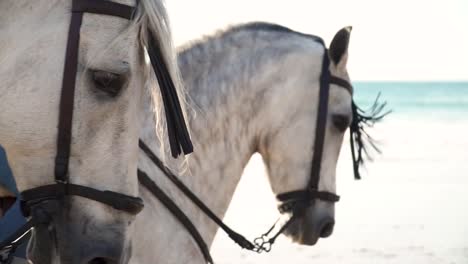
(12, 242)
(264, 242)
(180, 215)
(179, 138)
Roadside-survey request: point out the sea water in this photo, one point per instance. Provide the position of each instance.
(411, 205)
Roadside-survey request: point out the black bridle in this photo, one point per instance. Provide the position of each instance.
(32, 200)
(291, 201)
(294, 201)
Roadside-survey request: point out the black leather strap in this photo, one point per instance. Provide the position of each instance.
(341, 83)
(321, 122)
(67, 99)
(151, 186)
(300, 199)
(118, 201)
(103, 8)
(308, 194)
(62, 188)
(69, 75)
(236, 237)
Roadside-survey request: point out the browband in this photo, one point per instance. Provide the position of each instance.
(341, 83)
(103, 8)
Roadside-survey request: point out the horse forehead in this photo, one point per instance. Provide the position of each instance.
(106, 34)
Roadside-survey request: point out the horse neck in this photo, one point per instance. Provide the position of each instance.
(224, 141)
(212, 174)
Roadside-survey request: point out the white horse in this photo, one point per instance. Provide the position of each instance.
(254, 89)
(112, 78)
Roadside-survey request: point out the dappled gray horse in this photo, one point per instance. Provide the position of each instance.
(73, 74)
(254, 88)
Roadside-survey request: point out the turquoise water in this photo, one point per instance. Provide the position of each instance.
(446, 100)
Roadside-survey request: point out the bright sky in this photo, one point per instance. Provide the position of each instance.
(391, 40)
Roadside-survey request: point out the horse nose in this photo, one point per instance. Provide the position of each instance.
(326, 227)
(106, 246)
(101, 260)
(103, 255)
(110, 252)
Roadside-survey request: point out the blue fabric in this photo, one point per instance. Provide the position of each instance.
(9, 223)
(13, 219)
(6, 177)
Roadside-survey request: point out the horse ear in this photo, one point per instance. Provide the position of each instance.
(339, 47)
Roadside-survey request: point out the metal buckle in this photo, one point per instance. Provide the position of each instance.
(62, 188)
(263, 244)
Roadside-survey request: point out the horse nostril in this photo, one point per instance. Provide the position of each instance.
(326, 229)
(102, 261)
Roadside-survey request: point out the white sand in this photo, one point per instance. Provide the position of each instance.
(411, 206)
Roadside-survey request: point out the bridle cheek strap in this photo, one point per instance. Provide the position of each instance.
(63, 188)
(69, 75)
(293, 200)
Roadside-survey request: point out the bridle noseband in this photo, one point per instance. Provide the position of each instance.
(33, 200)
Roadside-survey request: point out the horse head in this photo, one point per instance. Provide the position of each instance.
(71, 132)
(289, 149)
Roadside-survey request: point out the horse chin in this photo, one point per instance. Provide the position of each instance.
(315, 223)
(73, 237)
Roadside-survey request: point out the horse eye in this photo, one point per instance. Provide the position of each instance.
(341, 122)
(110, 83)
